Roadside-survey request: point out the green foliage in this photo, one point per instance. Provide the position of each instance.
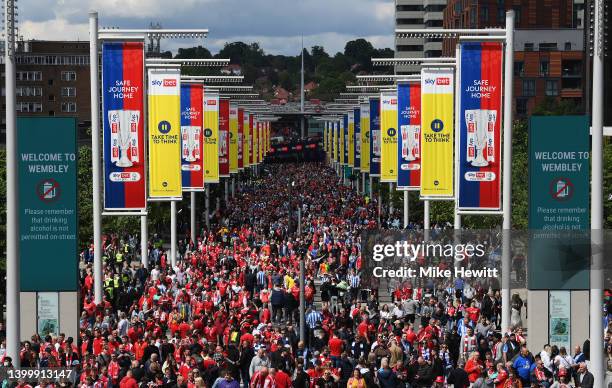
(551, 106)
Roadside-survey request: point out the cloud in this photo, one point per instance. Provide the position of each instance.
(276, 24)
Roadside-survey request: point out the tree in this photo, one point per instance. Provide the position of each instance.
(360, 52)
(194, 53)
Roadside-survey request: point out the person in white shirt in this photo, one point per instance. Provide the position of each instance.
(545, 356)
(564, 360)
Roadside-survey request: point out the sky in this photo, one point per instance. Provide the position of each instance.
(277, 25)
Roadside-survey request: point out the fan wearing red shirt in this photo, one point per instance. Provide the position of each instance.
(281, 379)
(336, 345)
(473, 312)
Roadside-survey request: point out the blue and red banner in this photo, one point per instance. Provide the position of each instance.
(375, 140)
(192, 116)
(357, 138)
(123, 125)
(409, 140)
(479, 157)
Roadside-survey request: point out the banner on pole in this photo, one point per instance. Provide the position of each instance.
(211, 137)
(388, 130)
(409, 139)
(164, 133)
(337, 141)
(437, 133)
(345, 139)
(252, 141)
(123, 126)
(224, 117)
(260, 130)
(240, 142)
(351, 138)
(364, 136)
(357, 138)
(192, 143)
(479, 158)
(48, 211)
(342, 148)
(375, 140)
(233, 138)
(247, 139)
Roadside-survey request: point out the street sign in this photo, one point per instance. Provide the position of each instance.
(47, 157)
(558, 202)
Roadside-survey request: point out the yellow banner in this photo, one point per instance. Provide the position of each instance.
(365, 137)
(351, 138)
(337, 141)
(164, 100)
(388, 131)
(233, 135)
(437, 131)
(211, 138)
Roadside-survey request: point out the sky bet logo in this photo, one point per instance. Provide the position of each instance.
(438, 81)
(164, 83)
(391, 102)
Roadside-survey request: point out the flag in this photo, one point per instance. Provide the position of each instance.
(388, 131)
(437, 131)
(365, 137)
(211, 137)
(409, 139)
(233, 138)
(192, 141)
(248, 121)
(375, 145)
(224, 117)
(164, 133)
(123, 125)
(479, 157)
(357, 137)
(351, 138)
(240, 139)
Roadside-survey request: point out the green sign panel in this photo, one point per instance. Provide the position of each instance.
(47, 159)
(559, 202)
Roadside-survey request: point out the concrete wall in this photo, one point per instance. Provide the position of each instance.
(68, 314)
(537, 321)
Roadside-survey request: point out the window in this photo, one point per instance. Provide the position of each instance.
(568, 46)
(484, 14)
(51, 97)
(51, 113)
(552, 87)
(68, 75)
(521, 106)
(548, 46)
(408, 21)
(473, 19)
(435, 8)
(571, 68)
(409, 47)
(68, 92)
(434, 23)
(519, 68)
(27, 107)
(50, 82)
(28, 91)
(69, 107)
(458, 8)
(517, 16)
(409, 8)
(501, 14)
(529, 87)
(528, 46)
(544, 67)
(29, 76)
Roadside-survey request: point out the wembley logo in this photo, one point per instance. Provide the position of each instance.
(169, 83)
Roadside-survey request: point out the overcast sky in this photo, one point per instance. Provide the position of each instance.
(276, 24)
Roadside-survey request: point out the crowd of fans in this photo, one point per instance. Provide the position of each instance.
(227, 315)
